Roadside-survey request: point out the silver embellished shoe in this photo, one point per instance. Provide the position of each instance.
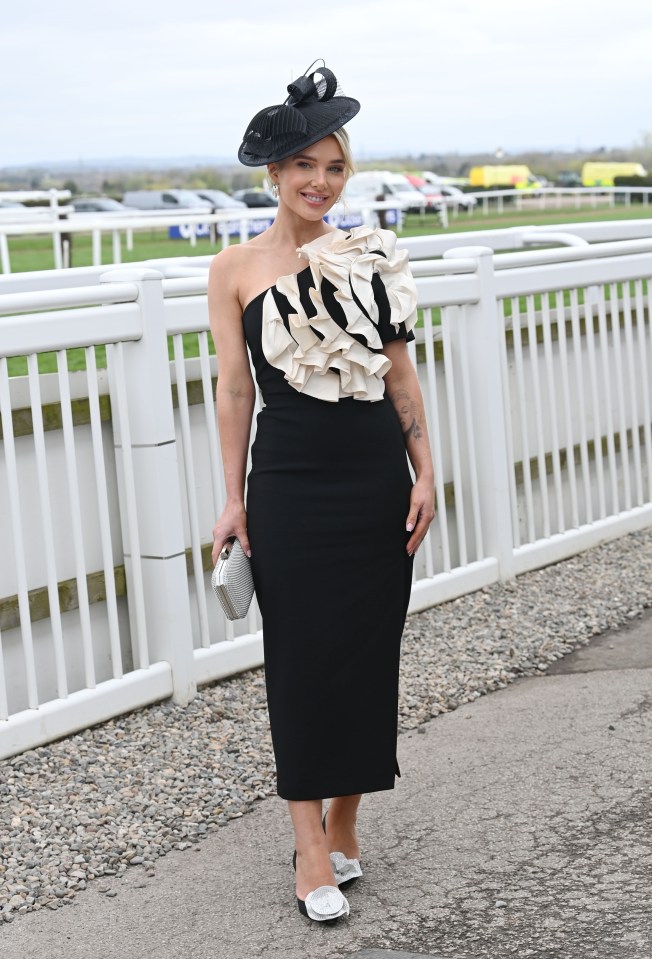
(324, 904)
(347, 871)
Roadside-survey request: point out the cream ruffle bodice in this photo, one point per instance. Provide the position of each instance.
(336, 365)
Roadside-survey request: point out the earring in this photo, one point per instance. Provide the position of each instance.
(275, 190)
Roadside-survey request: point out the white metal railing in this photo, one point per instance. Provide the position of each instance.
(544, 197)
(536, 377)
(425, 253)
(425, 248)
(53, 196)
(58, 531)
(583, 396)
(125, 224)
(121, 227)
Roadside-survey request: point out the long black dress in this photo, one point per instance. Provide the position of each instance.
(327, 500)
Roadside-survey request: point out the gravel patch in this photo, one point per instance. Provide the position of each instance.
(125, 793)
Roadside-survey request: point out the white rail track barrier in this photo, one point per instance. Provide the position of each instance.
(426, 252)
(62, 223)
(555, 197)
(536, 368)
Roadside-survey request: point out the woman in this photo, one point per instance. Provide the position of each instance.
(332, 517)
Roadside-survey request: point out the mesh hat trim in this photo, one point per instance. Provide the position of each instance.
(314, 109)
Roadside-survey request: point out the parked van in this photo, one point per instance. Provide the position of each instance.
(508, 177)
(602, 174)
(385, 185)
(165, 200)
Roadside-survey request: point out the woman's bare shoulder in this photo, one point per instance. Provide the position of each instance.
(234, 262)
(227, 262)
(234, 269)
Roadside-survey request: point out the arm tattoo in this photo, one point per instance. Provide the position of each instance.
(407, 413)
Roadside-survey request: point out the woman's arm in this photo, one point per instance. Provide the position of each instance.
(402, 386)
(235, 395)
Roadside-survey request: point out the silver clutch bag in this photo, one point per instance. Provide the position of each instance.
(232, 581)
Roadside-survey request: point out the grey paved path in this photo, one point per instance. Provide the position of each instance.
(521, 827)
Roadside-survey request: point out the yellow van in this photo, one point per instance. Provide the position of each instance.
(509, 177)
(602, 174)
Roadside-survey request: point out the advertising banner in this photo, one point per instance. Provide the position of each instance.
(344, 221)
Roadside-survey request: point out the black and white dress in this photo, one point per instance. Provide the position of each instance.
(327, 500)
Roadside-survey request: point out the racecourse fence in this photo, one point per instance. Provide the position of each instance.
(63, 224)
(536, 368)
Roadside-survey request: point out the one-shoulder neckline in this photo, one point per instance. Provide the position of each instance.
(272, 287)
(318, 241)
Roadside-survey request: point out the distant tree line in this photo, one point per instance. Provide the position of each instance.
(116, 182)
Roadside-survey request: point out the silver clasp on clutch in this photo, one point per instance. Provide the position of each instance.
(226, 549)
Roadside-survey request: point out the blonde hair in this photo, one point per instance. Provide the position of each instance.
(342, 138)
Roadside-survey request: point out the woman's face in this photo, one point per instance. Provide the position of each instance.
(310, 182)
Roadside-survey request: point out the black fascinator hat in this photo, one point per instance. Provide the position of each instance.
(314, 109)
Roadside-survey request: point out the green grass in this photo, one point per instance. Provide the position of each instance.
(47, 362)
(36, 252)
(27, 253)
(416, 225)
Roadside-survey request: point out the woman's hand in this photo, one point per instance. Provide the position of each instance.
(422, 512)
(232, 522)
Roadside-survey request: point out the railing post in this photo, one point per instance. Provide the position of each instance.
(481, 340)
(158, 498)
(5, 264)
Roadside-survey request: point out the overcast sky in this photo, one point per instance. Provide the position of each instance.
(80, 80)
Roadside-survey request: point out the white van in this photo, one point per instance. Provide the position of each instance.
(385, 185)
(165, 200)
